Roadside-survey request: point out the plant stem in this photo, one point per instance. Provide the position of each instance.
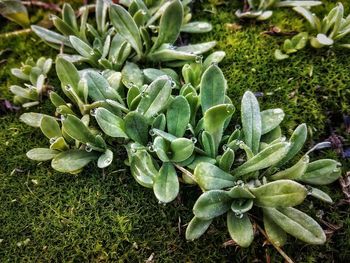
(283, 254)
(184, 171)
(48, 6)
(16, 33)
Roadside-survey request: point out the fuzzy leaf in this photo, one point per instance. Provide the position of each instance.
(297, 224)
(212, 88)
(197, 227)
(111, 124)
(142, 168)
(155, 97)
(321, 172)
(72, 161)
(178, 116)
(166, 184)
(240, 229)
(210, 177)
(136, 127)
(50, 127)
(251, 121)
(275, 234)
(170, 24)
(270, 119)
(266, 158)
(281, 193)
(212, 204)
(41, 154)
(126, 26)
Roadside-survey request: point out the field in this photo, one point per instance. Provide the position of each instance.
(46, 216)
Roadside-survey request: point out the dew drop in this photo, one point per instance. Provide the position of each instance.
(152, 132)
(154, 29)
(194, 140)
(93, 112)
(151, 147)
(62, 117)
(239, 215)
(53, 140)
(198, 59)
(225, 147)
(88, 148)
(308, 189)
(68, 87)
(173, 84)
(237, 127)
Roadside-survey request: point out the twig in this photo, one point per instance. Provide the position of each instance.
(16, 33)
(184, 171)
(283, 254)
(48, 6)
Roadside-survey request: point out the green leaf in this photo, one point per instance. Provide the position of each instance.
(69, 17)
(105, 159)
(101, 14)
(99, 88)
(132, 75)
(317, 193)
(136, 127)
(251, 121)
(281, 193)
(295, 172)
(200, 159)
(240, 229)
(72, 161)
(297, 224)
(297, 141)
(264, 159)
(50, 36)
(59, 144)
(226, 160)
(197, 227)
(181, 148)
(161, 147)
(214, 58)
(208, 144)
(126, 26)
(170, 24)
(155, 97)
(212, 88)
(270, 119)
(197, 49)
(142, 168)
(196, 27)
(178, 116)
(111, 124)
(214, 121)
(166, 52)
(210, 177)
(15, 11)
(41, 154)
(166, 184)
(212, 204)
(32, 118)
(279, 55)
(240, 206)
(321, 172)
(239, 192)
(50, 127)
(76, 129)
(159, 122)
(81, 47)
(275, 234)
(68, 75)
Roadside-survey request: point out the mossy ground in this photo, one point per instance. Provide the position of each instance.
(46, 216)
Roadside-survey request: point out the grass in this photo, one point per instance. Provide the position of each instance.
(51, 217)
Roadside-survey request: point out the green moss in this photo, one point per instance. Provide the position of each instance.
(87, 218)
